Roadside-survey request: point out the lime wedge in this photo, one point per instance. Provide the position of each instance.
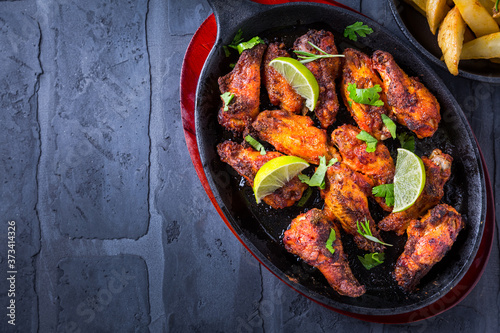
(409, 180)
(300, 78)
(276, 173)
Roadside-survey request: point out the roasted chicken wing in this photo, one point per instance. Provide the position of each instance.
(428, 241)
(410, 102)
(279, 90)
(358, 70)
(294, 135)
(247, 161)
(325, 71)
(438, 171)
(307, 238)
(346, 200)
(244, 83)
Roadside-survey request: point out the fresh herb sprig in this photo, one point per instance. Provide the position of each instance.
(306, 57)
(390, 125)
(385, 191)
(371, 142)
(305, 197)
(407, 141)
(318, 179)
(331, 239)
(366, 232)
(227, 97)
(371, 260)
(255, 144)
(234, 43)
(238, 44)
(367, 96)
(357, 28)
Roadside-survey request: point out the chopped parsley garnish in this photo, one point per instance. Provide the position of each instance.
(371, 142)
(357, 28)
(371, 260)
(390, 125)
(234, 44)
(306, 57)
(318, 179)
(227, 97)
(386, 191)
(255, 144)
(331, 239)
(365, 231)
(367, 96)
(407, 141)
(305, 197)
(250, 44)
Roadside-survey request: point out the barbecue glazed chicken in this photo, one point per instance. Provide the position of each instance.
(428, 241)
(410, 103)
(247, 161)
(279, 90)
(325, 71)
(244, 82)
(346, 200)
(437, 171)
(294, 135)
(307, 238)
(358, 70)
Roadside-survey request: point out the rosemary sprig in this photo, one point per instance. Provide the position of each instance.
(306, 57)
(367, 233)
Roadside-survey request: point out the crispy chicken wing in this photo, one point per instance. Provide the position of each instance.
(346, 200)
(428, 241)
(358, 70)
(410, 101)
(307, 237)
(294, 135)
(437, 171)
(244, 82)
(247, 161)
(325, 71)
(279, 90)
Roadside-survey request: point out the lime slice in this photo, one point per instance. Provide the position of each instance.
(276, 173)
(409, 180)
(300, 78)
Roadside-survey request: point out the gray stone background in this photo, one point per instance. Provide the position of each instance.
(114, 232)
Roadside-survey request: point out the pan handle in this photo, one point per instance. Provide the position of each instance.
(229, 14)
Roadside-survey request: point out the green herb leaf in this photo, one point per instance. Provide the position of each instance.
(371, 260)
(357, 28)
(255, 144)
(331, 239)
(250, 44)
(385, 191)
(227, 97)
(371, 142)
(234, 44)
(365, 231)
(305, 197)
(367, 96)
(318, 179)
(390, 125)
(407, 141)
(306, 57)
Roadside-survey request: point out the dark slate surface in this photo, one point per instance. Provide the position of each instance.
(96, 174)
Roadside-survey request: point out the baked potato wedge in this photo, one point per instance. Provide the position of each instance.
(435, 11)
(477, 17)
(451, 38)
(485, 47)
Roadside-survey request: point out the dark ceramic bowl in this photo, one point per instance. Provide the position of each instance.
(260, 228)
(415, 27)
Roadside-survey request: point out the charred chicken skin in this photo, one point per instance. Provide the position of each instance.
(244, 83)
(438, 171)
(247, 161)
(279, 90)
(428, 241)
(294, 135)
(410, 102)
(358, 70)
(307, 238)
(325, 71)
(346, 200)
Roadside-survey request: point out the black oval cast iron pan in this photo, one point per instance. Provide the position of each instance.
(261, 228)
